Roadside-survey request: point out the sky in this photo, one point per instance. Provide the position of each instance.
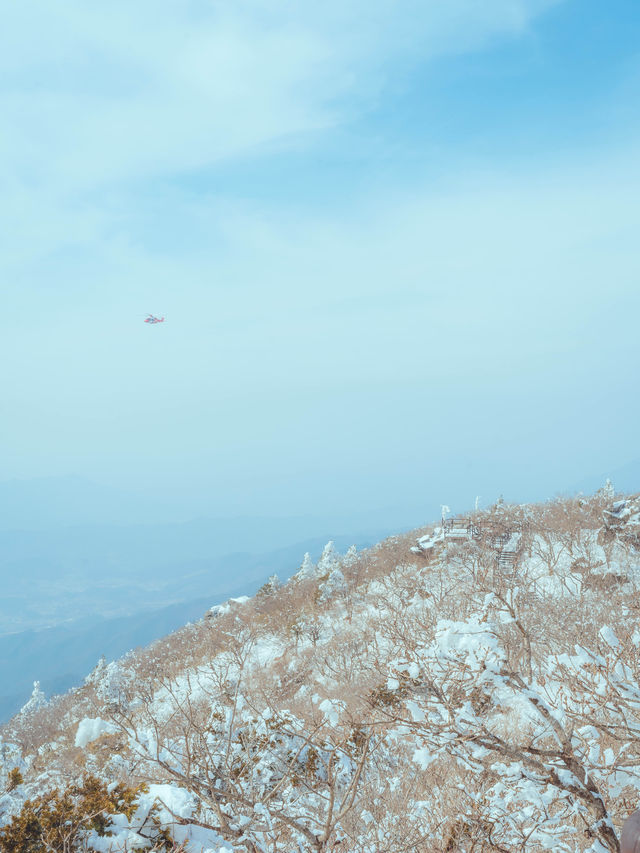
(395, 244)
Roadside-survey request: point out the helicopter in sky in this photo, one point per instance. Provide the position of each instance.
(150, 318)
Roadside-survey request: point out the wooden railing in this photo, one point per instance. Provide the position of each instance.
(495, 533)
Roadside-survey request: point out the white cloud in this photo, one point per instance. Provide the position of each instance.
(99, 100)
(96, 93)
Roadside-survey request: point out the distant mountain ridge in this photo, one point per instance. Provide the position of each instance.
(60, 656)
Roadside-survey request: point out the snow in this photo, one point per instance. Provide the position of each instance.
(176, 803)
(329, 560)
(91, 729)
(417, 713)
(428, 543)
(267, 649)
(445, 642)
(172, 806)
(36, 701)
(423, 758)
(608, 636)
(307, 570)
(335, 583)
(332, 708)
(223, 609)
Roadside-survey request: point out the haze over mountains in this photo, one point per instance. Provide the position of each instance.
(71, 548)
(88, 570)
(59, 656)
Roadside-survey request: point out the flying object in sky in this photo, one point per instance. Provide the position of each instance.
(151, 319)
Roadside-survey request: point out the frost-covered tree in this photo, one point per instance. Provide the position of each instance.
(551, 749)
(477, 697)
(262, 775)
(329, 561)
(307, 569)
(36, 701)
(272, 585)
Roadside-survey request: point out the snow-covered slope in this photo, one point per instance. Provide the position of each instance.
(61, 655)
(473, 687)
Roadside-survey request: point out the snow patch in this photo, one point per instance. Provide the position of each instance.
(91, 729)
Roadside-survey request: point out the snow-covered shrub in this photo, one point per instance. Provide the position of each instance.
(82, 818)
(475, 700)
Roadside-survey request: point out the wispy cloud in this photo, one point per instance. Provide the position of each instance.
(101, 100)
(100, 93)
(276, 304)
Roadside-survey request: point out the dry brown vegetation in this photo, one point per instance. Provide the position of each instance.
(252, 743)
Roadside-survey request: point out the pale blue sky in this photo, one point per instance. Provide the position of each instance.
(395, 244)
